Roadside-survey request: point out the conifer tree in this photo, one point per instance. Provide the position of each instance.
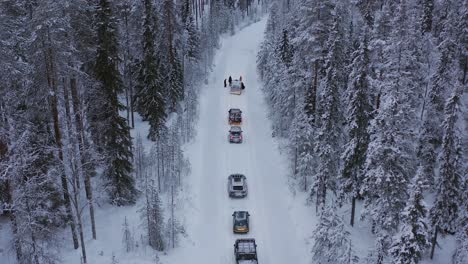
(285, 49)
(359, 114)
(332, 242)
(149, 100)
(413, 239)
(331, 116)
(426, 23)
(461, 253)
(446, 209)
(114, 134)
(170, 29)
(152, 216)
(386, 169)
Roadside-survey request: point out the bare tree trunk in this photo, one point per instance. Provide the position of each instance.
(172, 217)
(127, 106)
(465, 69)
(313, 93)
(132, 115)
(295, 162)
(158, 157)
(82, 144)
(163, 165)
(305, 182)
(434, 241)
(425, 94)
(50, 73)
(353, 210)
(14, 224)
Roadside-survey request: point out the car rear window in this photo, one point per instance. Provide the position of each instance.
(238, 188)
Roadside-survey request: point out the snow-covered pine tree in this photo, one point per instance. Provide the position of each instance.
(367, 9)
(426, 19)
(149, 99)
(378, 254)
(461, 252)
(441, 82)
(170, 45)
(412, 240)
(285, 49)
(311, 25)
(130, 13)
(330, 135)
(127, 237)
(359, 115)
(140, 162)
(390, 154)
(447, 205)
(36, 206)
(113, 135)
(386, 169)
(332, 242)
(301, 138)
(152, 216)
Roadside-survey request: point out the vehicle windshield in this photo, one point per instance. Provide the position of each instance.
(235, 133)
(238, 188)
(241, 222)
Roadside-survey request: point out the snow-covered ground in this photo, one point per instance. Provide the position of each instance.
(279, 223)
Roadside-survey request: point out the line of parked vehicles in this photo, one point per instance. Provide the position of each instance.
(245, 249)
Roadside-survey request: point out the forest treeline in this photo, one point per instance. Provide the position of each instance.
(369, 97)
(72, 75)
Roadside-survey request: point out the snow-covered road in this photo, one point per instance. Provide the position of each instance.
(279, 235)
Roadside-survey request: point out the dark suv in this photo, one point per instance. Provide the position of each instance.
(240, 222)
(235, 134)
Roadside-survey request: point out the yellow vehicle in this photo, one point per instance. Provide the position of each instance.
(240, 222)
(235, 116)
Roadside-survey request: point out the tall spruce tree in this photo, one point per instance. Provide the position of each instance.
(413, 238)
(447, 205)
(173, 78)
(150, 102)
(332, 242)
(359, 114)
(331, 117)
(114, 135)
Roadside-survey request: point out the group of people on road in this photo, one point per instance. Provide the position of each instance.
(229, 80)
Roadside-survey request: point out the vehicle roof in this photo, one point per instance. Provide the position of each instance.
(235, 129)
(240, 215)
(236, 84)
(237, 175)
(237, 181)
(246, 245)
(235, 110)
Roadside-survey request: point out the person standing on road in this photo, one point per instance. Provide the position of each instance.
(240, 78)
(230, 80)
(224, 83)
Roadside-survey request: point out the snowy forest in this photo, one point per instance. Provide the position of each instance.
(113, 130)
(77, 77)
(369, 99)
